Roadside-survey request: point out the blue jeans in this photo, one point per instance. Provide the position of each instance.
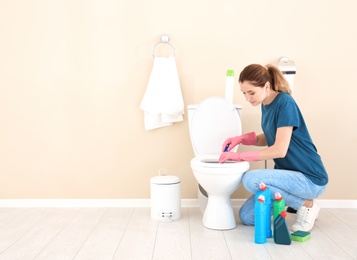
(293, 186)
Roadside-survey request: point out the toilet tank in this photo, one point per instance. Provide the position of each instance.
(191, 110)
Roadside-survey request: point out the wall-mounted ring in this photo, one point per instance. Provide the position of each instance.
(164, 39)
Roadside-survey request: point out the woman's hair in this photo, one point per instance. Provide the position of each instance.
(258, 75)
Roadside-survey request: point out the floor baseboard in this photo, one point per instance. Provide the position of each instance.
(68, 203)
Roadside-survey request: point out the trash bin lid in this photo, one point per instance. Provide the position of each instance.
(165, 179)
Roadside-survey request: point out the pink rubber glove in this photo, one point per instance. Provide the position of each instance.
(246, 139)
(245, 156)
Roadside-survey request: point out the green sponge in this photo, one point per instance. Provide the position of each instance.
(300, 236)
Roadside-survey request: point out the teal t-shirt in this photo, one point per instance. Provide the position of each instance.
(302, 155)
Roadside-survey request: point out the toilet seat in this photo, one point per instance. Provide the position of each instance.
(213, 163)
(214, 120)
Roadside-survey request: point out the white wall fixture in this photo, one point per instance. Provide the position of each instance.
(287, 67)
(164, 39)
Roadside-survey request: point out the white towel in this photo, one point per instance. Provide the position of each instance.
(163, 103)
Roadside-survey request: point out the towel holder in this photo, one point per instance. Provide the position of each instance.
(164, 39)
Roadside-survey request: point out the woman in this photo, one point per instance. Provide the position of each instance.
(299, 174)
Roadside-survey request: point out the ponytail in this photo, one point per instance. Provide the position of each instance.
(258, 75)
(279, 82)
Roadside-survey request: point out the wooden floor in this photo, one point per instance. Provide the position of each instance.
(129, 233)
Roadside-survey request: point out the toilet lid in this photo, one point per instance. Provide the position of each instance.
(214, 120)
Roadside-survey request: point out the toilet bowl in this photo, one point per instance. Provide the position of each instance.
(210, 123)
(219, 181)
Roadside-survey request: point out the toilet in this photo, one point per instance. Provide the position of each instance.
(211, 122)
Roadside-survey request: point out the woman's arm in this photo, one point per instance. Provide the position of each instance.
(280, 147)
(277, 150)
(261, 140)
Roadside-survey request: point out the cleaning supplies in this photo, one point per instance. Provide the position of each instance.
(229, 85)
(260, 220)
(300, 236)
(265, 191)
(278, 205)
(281, 231)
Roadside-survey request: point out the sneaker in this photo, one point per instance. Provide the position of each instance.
(306, 218)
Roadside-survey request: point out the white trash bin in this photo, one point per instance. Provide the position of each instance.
(165, 197)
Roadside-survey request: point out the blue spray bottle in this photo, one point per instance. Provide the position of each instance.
(260, 236)
(265, 191)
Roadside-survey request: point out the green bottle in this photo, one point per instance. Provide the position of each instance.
(278, 205)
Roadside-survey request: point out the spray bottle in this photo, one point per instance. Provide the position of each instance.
(260, 236)
(265, 191)
(229, 85)
(278, 205)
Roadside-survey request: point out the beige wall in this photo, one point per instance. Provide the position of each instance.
(73, 73)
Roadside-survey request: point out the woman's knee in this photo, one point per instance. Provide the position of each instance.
(250, 180)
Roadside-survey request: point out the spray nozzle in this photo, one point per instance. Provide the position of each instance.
(283, 214)
(261, 198)
(278, 196)
(263, 186)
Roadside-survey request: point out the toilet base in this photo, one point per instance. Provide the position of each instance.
(219, 213)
